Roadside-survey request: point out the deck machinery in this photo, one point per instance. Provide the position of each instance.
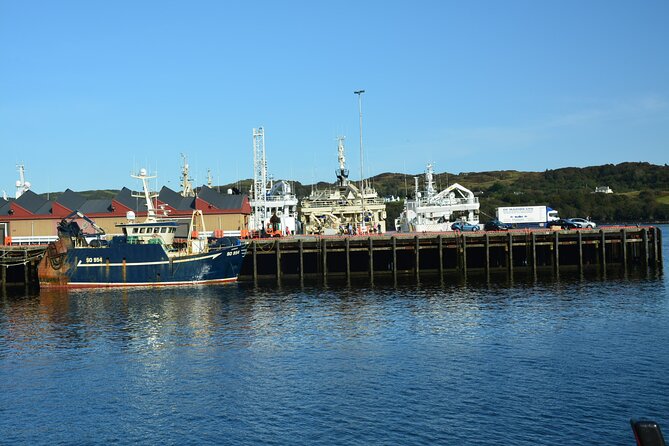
(343, 208)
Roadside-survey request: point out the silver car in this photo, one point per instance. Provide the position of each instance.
(583, 223)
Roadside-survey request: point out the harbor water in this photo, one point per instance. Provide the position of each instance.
(564, 360)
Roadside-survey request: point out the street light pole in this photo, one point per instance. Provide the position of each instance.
(362, 170)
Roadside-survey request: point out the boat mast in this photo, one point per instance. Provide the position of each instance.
(259, 175)
(147, 195)
(342, 173)
(362, 169)
(22, 185)
(186, 185)
(417, 194)
(429, 182)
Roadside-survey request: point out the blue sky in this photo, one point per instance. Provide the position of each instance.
(90, 90)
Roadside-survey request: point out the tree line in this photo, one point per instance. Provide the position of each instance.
(641, 190)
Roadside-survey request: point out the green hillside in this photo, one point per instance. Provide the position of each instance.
(641, 190)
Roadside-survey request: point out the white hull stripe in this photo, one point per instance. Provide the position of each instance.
(137, 284)
(81, 264)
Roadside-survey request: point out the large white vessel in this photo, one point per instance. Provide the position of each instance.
(345, 208)
(430, 211)
(273, 204)
(22, 185)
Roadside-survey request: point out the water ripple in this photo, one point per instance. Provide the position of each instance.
(551, 362)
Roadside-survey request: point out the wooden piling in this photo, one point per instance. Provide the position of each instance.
(371, 259)
(300, 247)
(602, 248)
(509, 255)
(659, 247)
(580, 251)
(277, 249)
(556, 252)
(255, 260)
(644, 237)
(348, 258)
(324, 257)
(533, 248)
(25, 268)
(653, 246)
(623, 247)
(486, 247)
(440, 247)
(394, 248)
(417, 252)
(464, 254)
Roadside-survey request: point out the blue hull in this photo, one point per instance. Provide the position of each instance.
(124, 264)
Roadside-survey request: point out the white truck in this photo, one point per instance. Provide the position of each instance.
(527, 216)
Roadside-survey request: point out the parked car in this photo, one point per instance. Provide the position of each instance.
(583, 223)
(562, 224)
(496, 225)
(464, 226)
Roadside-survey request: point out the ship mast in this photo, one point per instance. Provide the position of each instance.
(429, 182)
(186, 185)
(342, 173)
(22, 185)
(147, 195)
(362, 169)
(259, 175)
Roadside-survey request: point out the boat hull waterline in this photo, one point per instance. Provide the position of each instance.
(128, 265)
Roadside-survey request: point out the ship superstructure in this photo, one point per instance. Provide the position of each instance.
(344, 208)
(273, 203)
(430, 211)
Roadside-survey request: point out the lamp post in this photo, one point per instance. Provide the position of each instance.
(362, 170)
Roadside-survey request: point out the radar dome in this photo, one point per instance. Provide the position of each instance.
(18, 183)
(27, 185)
(130, 215)
(142, 172)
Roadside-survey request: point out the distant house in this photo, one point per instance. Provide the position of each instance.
(603, 190)
(31, 217)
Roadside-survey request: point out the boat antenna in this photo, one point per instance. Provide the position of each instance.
(362, 168)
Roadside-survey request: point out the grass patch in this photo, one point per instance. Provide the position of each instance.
(664, 199)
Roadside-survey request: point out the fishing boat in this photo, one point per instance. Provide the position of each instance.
(432, 211)
(158, 251)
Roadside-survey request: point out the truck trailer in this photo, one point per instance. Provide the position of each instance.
(527, 216)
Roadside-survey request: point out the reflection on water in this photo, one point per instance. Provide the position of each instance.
(482, 360)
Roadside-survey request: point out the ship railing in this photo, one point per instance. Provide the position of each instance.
(341, 202)
(271, 198)
(218, 233)
(450, 201)
(33, 240)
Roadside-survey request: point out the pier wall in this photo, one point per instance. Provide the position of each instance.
(18, 265)
(411, 255)
(464, 253)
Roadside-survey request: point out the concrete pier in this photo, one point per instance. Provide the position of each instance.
(418, 253)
